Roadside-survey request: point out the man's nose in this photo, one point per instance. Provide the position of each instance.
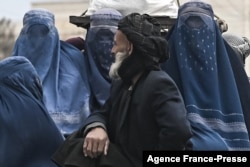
(112, 55)
(113, 51)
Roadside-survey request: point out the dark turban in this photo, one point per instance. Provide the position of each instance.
(144, 32)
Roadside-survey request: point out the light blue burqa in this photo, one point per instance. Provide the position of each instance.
(61, 68)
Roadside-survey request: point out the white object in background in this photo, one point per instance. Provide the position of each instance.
(151, 7)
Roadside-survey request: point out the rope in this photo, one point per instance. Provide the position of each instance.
(178, 3)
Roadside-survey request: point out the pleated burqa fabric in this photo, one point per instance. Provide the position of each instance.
(61, 68)
(28, 135)
(99, 42)
(207, 76)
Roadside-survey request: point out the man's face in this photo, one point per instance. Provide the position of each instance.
(121, 50)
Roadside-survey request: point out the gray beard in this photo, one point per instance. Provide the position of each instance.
(119, 57)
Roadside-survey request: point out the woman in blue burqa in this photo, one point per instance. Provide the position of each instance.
(60, 66)
(211, 79)
(98, 45)
(29, 136)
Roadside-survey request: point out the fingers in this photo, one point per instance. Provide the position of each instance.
(85, 144)
(87, 148)
(95, 143)
(103, 147)
(106, 146)
(93, 148)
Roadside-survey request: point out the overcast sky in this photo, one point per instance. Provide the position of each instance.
(14, 9)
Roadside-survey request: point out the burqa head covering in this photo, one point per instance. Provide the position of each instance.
(29, 136)
(60, 66)
(99, 42)
(144, 32)
(208, 76)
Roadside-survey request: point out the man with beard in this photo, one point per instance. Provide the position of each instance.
(145, 110)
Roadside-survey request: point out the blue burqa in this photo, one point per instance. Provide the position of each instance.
(61, 68)
(28, 135)
(209, 80)
(99, 42)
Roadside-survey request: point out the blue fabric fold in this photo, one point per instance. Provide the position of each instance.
(200, 65)
(29, 136)
(61, 68)
(99, 42)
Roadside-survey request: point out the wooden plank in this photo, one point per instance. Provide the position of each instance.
(84, 21)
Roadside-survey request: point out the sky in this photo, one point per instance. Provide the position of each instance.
(14, 9)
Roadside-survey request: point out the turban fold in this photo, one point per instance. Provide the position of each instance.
(144, 32)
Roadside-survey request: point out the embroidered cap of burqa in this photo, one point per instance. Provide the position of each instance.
(29, 136)
(61, 68)
(200, 65)
(98, 43)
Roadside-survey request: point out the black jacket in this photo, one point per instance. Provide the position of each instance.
(154, 120)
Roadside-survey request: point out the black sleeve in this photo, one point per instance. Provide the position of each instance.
(170, 114)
